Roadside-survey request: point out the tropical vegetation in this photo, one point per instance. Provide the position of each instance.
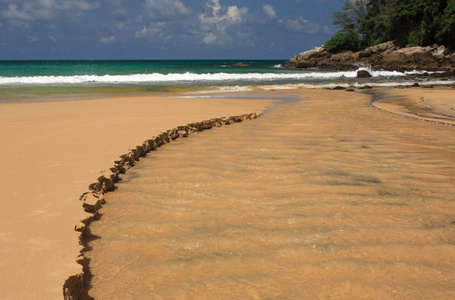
(364, 23)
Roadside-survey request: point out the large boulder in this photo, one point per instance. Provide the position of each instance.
(381, 47)
(313, 53)
(362, 54)
(412, 57)
(363, 74)
(395, 57)
(420, 55)
(343, 56)
(452, 59)
(441, 50)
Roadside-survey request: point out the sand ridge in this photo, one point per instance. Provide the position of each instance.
(431, 105)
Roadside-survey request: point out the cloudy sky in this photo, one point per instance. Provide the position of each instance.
(163, 29)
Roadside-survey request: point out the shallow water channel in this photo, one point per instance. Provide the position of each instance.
(313, 200)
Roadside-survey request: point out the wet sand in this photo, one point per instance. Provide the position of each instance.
(326, 198)
(433, 105)
(49, 154)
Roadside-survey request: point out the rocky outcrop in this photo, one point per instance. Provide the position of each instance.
(384, 56)
(93, 199)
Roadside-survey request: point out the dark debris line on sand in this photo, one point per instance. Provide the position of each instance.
(74, 286)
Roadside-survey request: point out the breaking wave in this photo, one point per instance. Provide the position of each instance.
(188, 77)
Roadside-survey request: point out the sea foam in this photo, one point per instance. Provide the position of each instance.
(188, 77)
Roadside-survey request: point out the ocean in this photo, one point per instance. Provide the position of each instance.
(34, 76)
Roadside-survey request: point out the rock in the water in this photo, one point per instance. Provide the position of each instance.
(363, 74)
(241, 65)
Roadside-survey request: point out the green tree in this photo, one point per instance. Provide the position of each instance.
(406, 22)
(419, 22)
(349, 18)
(376, 23)
(446, 31)
(343, 40)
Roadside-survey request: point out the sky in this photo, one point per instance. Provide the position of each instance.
(163, 29)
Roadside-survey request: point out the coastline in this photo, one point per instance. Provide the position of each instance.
(53, 151)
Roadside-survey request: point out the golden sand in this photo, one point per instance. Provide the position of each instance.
(328, 198)
(50, 153)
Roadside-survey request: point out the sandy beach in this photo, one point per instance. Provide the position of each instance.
(51, 152)
(326, 198)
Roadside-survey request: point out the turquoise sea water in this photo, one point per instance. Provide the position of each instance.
(133, 67)
(169, 72)
(25, 81)
(21, 80)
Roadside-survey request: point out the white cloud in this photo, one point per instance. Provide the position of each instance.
(163, 19)
(154, 30)
(210, 38)
(269, 11)
(159, 23)
(121, 25)
(299, 24)
(108, 40)
(164, 9)
(216, 21)
(53, 5)
(30, 10)
(14, 13)
(327, 30)
(213, 14)
(146, 32)
(32, 39)
(167, 20)
(114, 8)
(235, 14)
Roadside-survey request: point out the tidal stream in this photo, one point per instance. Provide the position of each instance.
(313, 200)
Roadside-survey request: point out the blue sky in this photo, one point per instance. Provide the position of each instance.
(163, 29)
